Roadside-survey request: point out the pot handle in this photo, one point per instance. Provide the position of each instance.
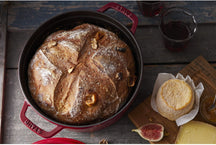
(34, 127)
(124, 11)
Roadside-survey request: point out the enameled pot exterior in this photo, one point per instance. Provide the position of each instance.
(67, 21)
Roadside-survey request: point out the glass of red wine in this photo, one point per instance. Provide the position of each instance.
(177, 27)
(150, 8)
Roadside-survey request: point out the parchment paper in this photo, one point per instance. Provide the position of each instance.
(198, 90)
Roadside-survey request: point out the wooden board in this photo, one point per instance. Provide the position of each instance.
(200, 71)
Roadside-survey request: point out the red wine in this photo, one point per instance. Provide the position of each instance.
(176, 31)
(150, 8)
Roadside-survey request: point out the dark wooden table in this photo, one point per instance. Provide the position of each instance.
(19, 20)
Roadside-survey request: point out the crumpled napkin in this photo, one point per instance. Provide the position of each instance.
(198, 90)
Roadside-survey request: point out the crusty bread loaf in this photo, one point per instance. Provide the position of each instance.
(82, 75)
(174, 99)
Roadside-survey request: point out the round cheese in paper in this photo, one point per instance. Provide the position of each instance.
(174, 99)
(197, 92)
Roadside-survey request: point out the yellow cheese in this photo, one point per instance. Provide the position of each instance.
(174, 99)
(196, 132)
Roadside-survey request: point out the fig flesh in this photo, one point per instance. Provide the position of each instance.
(152, 132)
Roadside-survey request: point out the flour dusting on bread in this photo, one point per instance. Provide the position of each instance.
(78, 82)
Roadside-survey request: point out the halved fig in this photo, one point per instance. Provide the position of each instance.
(152, 132)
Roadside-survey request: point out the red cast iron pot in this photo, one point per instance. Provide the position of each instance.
(67, 21)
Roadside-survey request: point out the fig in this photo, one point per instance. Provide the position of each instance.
(152, 132)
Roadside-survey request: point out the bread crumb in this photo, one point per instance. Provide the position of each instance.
(103, 141)
(150, 119)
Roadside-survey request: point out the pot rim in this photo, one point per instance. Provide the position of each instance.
(121, 110)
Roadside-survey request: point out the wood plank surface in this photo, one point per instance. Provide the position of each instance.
(119, 132)
(3, 35)
(24, 15)
(149, 40)
(200, 71)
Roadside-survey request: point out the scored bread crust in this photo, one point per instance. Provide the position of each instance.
(174, 99)
(82, 75)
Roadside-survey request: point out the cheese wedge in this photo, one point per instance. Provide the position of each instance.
(196, 132)
(174, 99)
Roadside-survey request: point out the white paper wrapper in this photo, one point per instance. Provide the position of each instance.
(198, 90)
